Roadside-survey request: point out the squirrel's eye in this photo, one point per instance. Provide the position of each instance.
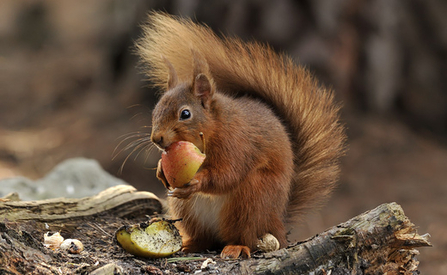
(185, 114)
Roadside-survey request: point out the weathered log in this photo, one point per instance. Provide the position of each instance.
(380, 241)
(120, 201)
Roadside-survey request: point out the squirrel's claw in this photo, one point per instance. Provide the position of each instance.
(186, 191)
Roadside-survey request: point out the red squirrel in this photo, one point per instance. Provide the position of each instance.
(273, 136)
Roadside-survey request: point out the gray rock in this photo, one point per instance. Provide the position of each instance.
(73, 178)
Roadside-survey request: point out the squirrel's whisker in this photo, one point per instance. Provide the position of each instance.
(135, 148)
(141, 148)
(115, 153)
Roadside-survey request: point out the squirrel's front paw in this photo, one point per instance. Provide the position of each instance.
(185, 191)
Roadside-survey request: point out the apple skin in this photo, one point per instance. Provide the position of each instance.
(180, 162)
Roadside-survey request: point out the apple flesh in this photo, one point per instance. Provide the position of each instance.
(180, 162)
(157, 239)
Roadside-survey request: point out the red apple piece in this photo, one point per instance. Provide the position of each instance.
(180, 162)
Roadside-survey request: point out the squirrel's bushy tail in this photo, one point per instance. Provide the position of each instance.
(306, 109)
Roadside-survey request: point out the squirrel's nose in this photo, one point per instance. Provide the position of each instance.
(157, 140)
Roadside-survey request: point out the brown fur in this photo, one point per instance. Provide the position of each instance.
(272, 134)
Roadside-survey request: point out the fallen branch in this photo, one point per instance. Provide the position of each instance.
(119, 201)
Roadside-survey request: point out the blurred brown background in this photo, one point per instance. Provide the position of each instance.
(69, 87)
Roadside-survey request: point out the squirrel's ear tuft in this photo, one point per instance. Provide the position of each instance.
(172, 75)
(203, 89)
(199, 63)
(203, 85)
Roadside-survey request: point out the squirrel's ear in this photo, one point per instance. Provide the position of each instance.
(172, 75)
(203, 89)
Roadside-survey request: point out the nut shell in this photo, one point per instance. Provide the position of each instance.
(52, 241)
(73, 246)
(268, 243)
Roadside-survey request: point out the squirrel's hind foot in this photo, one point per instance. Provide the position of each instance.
(234, 251)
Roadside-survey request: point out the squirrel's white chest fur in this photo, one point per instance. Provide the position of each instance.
(206, 210)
